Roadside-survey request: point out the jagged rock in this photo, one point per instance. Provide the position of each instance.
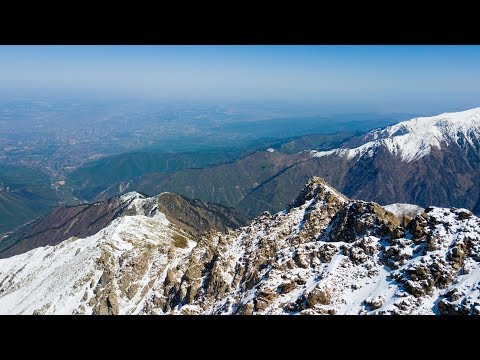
(417, 226)
(132, 290)
(170, 278)
(319, 295)
(375, 303)
(158, 301)
(457, 255)
(263, 299)
(245, 309)
(397, 233)
(464, 214)
(112, 304)
(252, 279)
(326, 252)
(406, 221)
(286, 287)
(301, 261)
(101, 308)
(447, 308)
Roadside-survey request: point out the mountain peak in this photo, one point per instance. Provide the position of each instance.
(415, 138)
(318, 188)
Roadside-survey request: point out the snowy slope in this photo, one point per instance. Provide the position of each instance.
(413, 139)
(69, 277)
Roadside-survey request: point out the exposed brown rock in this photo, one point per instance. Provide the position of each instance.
(319, 295)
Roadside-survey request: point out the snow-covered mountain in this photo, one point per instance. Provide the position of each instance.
(413, 139)
(326, 254)
(424, 161)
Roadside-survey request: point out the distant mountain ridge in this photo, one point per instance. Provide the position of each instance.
(424, 161)
(413, 139)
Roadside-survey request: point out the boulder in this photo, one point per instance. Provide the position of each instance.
(319, 295)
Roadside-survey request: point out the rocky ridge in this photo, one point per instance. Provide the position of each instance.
(80, 221)
(325, 254)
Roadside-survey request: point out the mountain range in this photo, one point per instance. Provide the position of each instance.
(425, 161)
(325, 254)
(62, 223)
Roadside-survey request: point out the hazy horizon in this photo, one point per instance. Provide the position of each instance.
(424, 79)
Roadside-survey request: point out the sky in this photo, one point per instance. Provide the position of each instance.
(352, 78)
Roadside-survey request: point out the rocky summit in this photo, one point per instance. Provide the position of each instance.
(325, 254)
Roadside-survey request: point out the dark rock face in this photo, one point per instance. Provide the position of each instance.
(361, 219)
(196, 216)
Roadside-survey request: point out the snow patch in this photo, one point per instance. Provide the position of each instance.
(400, 210)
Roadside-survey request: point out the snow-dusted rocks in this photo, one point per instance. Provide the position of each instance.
(356, 259)
(402, 210)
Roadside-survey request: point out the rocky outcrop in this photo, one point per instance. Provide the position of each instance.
(317, 256)
(359, 219)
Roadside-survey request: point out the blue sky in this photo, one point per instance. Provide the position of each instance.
(365, 78)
